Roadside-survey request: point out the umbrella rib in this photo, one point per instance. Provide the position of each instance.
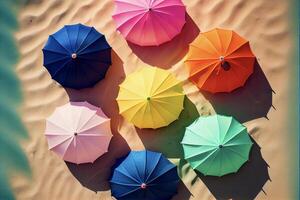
(212, 161)
(131, 28)
(167, 6)
(138, 104)
(83, 147)
(55, 52)
(204, 159)
(76, 48)
(97, 146)
(200, 59)
(215, 48)
(197, 47)
(59, 60)
(194, 133)
(237, 47)
(161, 83)
(235, 135)
(57, 125)
(63, 67)
(161, 115)
(162, 27)
(59, 44)
(66, 32)
(229, 42)
(89, 44)
(131, 191)
(167, 88)
(95, 51)
(237, 153)
(210, 73)
(85, 38)
(220, 42)
(151, 115)
(197, 154)
(62, 141)
(127, 175)
(125, 184)
(213, 65)
(238, 144)
(87, 121)
(71, 141)
(237, 57)
(133, 92)
(151, 172)
(229, 160)
(226, 132)
(205, 139)
(161, 174)
(86, 60)
(126, 2)
(94, 126)
(130, 11)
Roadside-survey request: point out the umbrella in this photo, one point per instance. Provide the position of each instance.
(144, 175)
(149, 22)
(220, 61)
(150, 98)
(78, 132)
(216, 145)
(77, 56)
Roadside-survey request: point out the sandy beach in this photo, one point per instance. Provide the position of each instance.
(261, 105)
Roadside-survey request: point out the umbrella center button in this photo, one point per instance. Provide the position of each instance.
(74, 55)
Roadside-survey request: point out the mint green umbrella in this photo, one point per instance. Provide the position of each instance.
(216, 145)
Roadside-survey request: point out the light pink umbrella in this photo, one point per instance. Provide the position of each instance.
(78, 132)
(149, 22)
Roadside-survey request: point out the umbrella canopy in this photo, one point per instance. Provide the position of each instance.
(220, 61)
(78, 132)
(216, 145)
(150, 98)
(149, 22)
(77, 56)
(144, 175)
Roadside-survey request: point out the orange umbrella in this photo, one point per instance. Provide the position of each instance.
(220, 61)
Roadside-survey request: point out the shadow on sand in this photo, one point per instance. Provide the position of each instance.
(166, 55)
(167, 140)
(249, 102)
(95, 176)
(243, 185)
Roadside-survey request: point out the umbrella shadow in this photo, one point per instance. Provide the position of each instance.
(183, 192)
(167, 139)
(243, 185)
(104, 93)
(167, 54)
(249, 102)
(95, 175)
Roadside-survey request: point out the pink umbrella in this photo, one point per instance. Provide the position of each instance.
(149, 22)
(78, 132)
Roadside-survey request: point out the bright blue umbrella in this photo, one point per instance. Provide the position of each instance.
(144, 175)
(77, 56)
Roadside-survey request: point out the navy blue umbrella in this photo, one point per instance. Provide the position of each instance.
(77, 56)
(144, 175)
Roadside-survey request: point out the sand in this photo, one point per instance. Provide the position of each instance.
(264, 23)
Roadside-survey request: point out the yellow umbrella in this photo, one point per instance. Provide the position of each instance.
(150, 98)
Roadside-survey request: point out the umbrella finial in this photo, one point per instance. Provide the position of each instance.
(75, 134)
(221, 146)
(148, 98)
(74, 55)
(143, 185)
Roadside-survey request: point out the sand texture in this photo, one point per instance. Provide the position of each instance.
(264, 23)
